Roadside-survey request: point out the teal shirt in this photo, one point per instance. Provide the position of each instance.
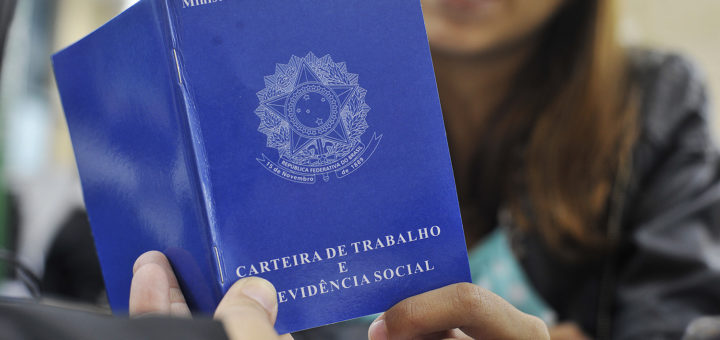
(494, 267)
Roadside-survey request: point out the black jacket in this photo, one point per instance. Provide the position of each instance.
(666, 269)
(23, 320)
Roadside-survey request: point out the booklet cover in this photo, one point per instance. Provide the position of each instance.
(299, 141)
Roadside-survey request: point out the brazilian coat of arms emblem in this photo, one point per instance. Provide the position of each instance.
(313, 112)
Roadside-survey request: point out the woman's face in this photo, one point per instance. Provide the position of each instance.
(477, 27)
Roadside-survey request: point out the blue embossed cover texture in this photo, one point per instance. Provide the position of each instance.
(299, 141)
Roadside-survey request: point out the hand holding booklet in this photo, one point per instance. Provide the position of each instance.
(299, 141)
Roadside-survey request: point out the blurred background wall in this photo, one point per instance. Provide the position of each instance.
(38, 164)
(691, 27)
(39, 169)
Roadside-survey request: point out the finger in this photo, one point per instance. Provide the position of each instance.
(176, 304)
(249, 309)
(475, 311)
(567, 331)
(454, 334)
(149, 293)
(378, 331)
(458, 334)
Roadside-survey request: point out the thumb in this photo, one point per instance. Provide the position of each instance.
(249, 309)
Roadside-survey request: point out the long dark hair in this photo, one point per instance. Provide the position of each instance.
(559, 137)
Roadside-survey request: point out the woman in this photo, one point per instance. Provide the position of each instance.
(597, 159)
(590, 163)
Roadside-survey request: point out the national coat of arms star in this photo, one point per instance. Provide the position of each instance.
(312, 110)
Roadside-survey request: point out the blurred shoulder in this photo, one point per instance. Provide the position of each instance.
(672, 90)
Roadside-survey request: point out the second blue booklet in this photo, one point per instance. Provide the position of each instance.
(312, 130)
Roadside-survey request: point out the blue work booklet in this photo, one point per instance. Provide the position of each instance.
(299, 141)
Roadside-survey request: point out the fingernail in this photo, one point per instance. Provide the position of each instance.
(260, 291)
(378, 330)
